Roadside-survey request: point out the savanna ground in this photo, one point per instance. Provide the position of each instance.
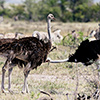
(55, 79)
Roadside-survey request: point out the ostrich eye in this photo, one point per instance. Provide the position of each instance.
(52, 16)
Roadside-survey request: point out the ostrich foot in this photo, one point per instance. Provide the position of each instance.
(27, 91)
(10, 91)
(23, 92)
(4, 91)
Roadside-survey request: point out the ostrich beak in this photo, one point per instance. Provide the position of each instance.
(48, 59)
(54, 18)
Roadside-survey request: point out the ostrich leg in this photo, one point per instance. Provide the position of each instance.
(2, 83)
(3, 75)
(9, 79)
(9, 76)
(25, 86)
(26, 72)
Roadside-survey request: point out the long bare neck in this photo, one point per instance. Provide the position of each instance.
(49, 28)
(16, 35)
(59, 61)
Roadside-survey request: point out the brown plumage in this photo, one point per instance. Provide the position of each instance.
(28, 52)
(28, 49)
(9, 40)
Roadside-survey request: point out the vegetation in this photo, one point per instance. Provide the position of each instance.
(64, 10)
(68, 40)
(55, 79)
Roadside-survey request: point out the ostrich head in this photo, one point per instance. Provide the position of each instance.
(92, 33)
(49, 18)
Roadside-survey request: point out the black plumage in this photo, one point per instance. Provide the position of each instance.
(87, 52)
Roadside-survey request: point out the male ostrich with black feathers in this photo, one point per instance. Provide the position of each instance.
(87, 53)
(28, 52)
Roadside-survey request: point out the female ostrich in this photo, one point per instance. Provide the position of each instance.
(9, 40)
(28, 52)
(56, 37)
(16, 35)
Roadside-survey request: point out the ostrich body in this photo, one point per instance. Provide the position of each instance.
(55, 37)
(87, 53)
(16, 35)
(28, 52)
(9, 40)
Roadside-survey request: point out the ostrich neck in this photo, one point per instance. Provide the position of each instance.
(49, 28)
(59, 61)
(16, 35)
(99, 28)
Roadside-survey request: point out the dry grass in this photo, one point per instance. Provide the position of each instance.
(56, 79)
(28, 27)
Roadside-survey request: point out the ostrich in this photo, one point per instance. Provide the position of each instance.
(87, 53)
(15, 35)
(74, 34)
(1, 35)
(40, 35)
(95, 34)
(92, 35)
(10, 40)
(1, 19)
(56, 36)
(27, 52)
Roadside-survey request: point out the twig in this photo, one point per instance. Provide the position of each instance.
(77, 82)
(53, 48)
(45, 93)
